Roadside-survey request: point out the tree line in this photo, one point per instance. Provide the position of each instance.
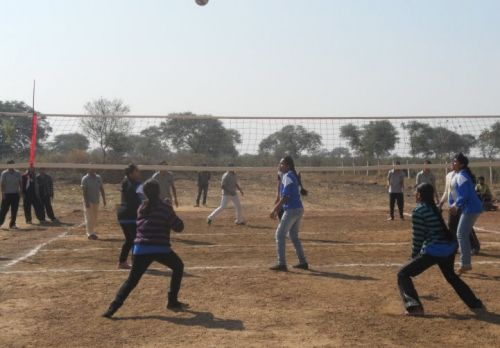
(204, 137)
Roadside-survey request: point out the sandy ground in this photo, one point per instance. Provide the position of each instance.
(55, 284)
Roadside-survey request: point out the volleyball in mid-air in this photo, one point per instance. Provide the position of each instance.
(202, 2)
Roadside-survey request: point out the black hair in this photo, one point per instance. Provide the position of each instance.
(151, 190)
(481, 178)
(130, 169)
(10, 162)
(426, 192)
(291, 164)
(427, 162)
(397, 163)
(462, 159)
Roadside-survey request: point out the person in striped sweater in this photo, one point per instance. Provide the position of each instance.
(432, 244)
(155, 219)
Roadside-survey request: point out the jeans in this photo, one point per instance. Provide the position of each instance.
(141, 264)
(46, 207)
(400, 199)
(464, 228)
(421, 263)
(453, 220)
(202, 190)
(223, 204)
(290, 224)
(129, 231)
(10, 201)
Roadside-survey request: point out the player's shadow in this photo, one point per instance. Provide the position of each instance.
(191, 242)
(489, 255)
(488, 317)
(483, 276)
(325, 241)
(201, 319)
(162, 273)
(336, 275)
(259, 227)
(5, 258)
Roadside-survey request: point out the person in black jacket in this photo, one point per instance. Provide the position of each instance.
(127, 212)
(31, 196)
(203, 182)
(46, 192)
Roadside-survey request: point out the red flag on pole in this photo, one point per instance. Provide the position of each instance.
(34, 126)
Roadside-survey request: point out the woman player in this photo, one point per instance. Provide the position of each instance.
(290, 221)
(127, 212)
(469, 204)
(154, 221)
(432, 244)
(303, 191)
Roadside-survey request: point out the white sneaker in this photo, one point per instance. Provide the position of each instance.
(92, 236)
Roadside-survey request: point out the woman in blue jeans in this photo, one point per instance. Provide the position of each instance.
(468, 203)
(289, 224)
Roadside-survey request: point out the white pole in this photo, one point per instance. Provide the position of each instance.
(491, 174)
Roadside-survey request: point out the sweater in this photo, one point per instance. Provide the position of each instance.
(153, 228)
(467, 200)
(428, 229)
(130, 201)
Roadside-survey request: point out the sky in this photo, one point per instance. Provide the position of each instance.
(255, 57)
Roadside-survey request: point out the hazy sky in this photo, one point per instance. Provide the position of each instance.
(255, 57)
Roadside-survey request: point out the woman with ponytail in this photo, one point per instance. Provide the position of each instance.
(432, 244)
(468, 204)
(303, 191)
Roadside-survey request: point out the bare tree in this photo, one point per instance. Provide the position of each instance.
(105, 122)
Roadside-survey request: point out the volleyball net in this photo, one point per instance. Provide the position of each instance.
(189, 142)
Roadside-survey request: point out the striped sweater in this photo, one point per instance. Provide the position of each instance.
(154, 228)
(427, 228)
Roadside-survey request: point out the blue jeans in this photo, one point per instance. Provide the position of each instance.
(290, 223)
(464, 229)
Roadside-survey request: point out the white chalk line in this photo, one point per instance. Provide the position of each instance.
(222, 268)
(32, 252)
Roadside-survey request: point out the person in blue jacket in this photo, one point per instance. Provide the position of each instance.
(466, 200)
(432, 244)
(290, 221)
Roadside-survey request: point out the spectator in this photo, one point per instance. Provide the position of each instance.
(92, 186)
(10, 185)
(46, 192)
(31, 196)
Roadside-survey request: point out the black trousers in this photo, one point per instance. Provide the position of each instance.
(9, 202)
(400, 199)
(129, 231)
(202, 190)
(32, 201)
(46, 208)
(421, 263)
(141, 264)
(453, 221)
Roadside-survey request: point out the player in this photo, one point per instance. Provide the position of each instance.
(30, 194)
(10, 185)
(46, 192)
(449, 195)
(127, 212)
(303, 191)
(167, 186)
(395, 184)
(293, 211)
(229, 185)
(425, 176)
(154, 221)
(203, 182)
(468, 204)
(92, 187)
(433, 244)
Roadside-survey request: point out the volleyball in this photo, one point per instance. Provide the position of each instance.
(202, 2)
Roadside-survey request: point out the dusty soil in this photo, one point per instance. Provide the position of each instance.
(54, 296)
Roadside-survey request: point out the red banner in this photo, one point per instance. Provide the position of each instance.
(34, 126)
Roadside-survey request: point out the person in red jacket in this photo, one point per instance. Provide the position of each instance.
(155, 219)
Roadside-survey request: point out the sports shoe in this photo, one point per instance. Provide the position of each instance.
(302, 266)
(390, 219)
(415, 312)
(209, 222)
(479, 310)
(14, 227)
(241, 223)
(464, 269)
(92, 236)
(177, 306)
(402, 218)
(124, 265)
(279, 268)
(113, 307)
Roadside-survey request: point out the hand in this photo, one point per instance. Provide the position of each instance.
(453, 210)
(104, 203)
(273, 215)
(242, 193)
(176, 203)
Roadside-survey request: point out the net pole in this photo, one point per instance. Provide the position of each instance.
(34, 126)
(491, 174)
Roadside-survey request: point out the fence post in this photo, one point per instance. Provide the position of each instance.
(378, 167)
(408, 169)
(342, 164)
(353, 167)
(491, 174)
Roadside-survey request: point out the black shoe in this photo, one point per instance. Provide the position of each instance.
(402, 217)
(209, 222)
(177, 306)
(302, 266)
(113, 307)
(279, 268)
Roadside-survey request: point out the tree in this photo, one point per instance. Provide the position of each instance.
(292, 140)
(489, 141)
(445, 142)
(421, 138)
(104, 125)
(65, 143)
(15, 131)
(373, 140)
(340, 153)
(199, 135)
(146, 146)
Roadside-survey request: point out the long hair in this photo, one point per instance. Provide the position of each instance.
(461, 158)
(291, 164)
(426, 192)
(151, 190)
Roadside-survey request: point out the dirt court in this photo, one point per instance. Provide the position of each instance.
(55, 284)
